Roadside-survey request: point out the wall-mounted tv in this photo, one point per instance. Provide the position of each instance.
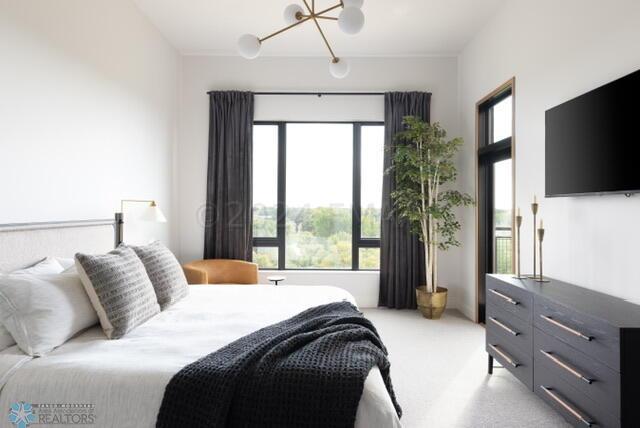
(592, 142)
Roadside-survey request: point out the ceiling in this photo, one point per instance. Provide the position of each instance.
(392, 27)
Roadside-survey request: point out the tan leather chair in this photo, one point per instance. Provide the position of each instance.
(221, 271)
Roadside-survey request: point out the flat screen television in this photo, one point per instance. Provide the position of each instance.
(592, 142)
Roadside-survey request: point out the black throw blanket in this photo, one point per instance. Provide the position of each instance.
(307, 371)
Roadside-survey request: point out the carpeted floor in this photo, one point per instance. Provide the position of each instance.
(439, 371)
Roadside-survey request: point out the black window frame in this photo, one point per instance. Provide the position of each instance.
(357, 241)
(488, 154)
(486, 131)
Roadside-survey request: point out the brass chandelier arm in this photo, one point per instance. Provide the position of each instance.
(322, 17)
(315, 21)
(328, 9)
(305, 19)
(322, 12)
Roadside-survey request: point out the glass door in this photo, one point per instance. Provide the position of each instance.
(495, 189)
(502, 217)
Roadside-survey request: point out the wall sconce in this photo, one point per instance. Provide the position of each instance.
(152, 214)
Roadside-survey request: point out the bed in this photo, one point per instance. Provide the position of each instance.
(124, 380)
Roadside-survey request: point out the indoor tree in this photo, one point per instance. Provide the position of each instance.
(423, 166)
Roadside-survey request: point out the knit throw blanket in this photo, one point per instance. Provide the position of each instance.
(307, 371)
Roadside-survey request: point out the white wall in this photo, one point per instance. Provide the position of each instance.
(201, 74)
(556, 50)
(88, 111)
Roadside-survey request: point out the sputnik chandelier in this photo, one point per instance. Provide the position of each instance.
(350, 20)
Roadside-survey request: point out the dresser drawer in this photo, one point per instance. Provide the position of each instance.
(589, 335)
(574, 406)
(585, 374)
(509, 327)
(510, 298)
(511, 357)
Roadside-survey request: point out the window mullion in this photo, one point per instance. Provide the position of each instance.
(282, 193)
(490, 126)
(356, 211)
(368, 243)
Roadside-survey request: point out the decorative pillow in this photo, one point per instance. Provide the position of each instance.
(119, 289)
(6, 340)
(165, 273)
(43, 311)
(43, 267)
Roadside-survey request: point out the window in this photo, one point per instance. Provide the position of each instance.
(370, 168)
(372, 152)
(495, 188)
(265, 181)
(317, 195)
(501, 120)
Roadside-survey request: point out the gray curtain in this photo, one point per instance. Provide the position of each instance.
(228, 222)
(402, 266)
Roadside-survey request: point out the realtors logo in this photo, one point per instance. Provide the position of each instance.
(21, 414)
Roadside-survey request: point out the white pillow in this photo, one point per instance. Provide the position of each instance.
(47, 266)
(6, 340)
(66, 263)
(43, 311)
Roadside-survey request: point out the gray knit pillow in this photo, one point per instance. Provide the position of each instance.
(165, 273)
(119, 289)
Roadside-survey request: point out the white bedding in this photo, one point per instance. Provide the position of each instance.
(125, 379)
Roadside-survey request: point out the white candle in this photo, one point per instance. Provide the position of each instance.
(541, 226)
(518, 213)
(535, 199)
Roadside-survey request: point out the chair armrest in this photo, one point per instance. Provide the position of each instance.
(195, 275)
(226, 271)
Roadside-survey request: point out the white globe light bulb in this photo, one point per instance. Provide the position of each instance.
(351, 20)
(353, 3)
(291, 13)
(249, 46)
(339, 68)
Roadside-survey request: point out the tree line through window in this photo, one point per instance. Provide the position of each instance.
(317, 194)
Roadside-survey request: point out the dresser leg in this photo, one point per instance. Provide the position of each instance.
(490, 366)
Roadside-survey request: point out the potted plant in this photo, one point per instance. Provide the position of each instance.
(423, 166)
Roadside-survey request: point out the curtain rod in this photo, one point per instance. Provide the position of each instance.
(319, 94)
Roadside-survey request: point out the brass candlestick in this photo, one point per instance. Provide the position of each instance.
(534, 210)
(540, 238)
(518, 224)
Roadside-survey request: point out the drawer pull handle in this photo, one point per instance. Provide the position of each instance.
(565, 328)
(504, 327)
(567, 407)
(504, 297)
(566, 367)
(505, 356)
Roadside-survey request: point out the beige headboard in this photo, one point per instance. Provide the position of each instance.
(27, 243)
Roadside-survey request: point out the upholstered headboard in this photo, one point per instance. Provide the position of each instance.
(24, 244)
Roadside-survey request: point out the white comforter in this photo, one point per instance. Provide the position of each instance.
(125, 379)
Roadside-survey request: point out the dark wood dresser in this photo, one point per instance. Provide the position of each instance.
(578, 349)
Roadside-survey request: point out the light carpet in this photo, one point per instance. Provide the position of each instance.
(439, 372)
